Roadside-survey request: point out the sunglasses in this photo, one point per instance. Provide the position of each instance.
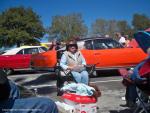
(73, 47)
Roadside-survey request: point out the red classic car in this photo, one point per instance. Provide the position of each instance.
(107, 53)
(18, 58)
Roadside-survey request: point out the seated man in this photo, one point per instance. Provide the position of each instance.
(74, 61)
(135, 76)
(11, 103)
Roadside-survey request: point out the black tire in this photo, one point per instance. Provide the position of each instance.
(8, 71)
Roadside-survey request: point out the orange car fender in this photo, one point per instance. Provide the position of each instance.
(45, 59)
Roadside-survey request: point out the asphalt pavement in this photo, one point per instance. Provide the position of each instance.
(109, 83)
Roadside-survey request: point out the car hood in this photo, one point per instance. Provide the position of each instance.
(143, 39)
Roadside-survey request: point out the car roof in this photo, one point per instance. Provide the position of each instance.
(29, 46)
(93, 38)
(15, 50)
(12, 51)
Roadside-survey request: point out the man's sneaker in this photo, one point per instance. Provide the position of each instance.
(123, 98)
(131, 104)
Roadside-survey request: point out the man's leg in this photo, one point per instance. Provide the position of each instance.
(132, 95)
(77, 76)
(29, 105)
(127, 93)
(14, 92)
(84, 77)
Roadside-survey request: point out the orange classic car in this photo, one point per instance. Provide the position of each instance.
(106, 53)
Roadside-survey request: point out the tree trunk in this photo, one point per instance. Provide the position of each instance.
(18, 44)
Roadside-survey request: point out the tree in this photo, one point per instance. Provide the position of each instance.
(68, 27)
(140, 22)
(110, 27)
(20, 26)
(123, 26)
(103, 27)
(99, 27)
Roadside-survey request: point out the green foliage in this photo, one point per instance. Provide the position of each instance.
(112, 27)
(140, 22)
(103, 27)
(100, 27)
(20, 26)
(68, 27)
(123, 26)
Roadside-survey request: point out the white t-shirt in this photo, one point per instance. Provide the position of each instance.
(122, 40)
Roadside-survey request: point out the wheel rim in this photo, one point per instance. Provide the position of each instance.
(8, 71)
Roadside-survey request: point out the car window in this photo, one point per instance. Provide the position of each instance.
(31, 51)
(2, 52)
(106, 44)
(20, 52)
(88, 45)
(42, 49)
(99, 44)
(113, 44)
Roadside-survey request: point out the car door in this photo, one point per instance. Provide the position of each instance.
(127, 57)
(17, 60)
(27, 55)
(23, 58)
(110, 54)
(44, 60)
(100, 54)
(88, 52)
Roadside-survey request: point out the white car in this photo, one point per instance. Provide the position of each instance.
(25, 50)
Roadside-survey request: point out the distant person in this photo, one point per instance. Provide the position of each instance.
(10, 101)
(127, 41)
(131, 93)
(122, 39)
(107, 36)
(55, 45)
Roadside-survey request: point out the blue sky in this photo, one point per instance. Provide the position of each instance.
(90, 9)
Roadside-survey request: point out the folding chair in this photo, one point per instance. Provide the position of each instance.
(66, 75)
(143, 87)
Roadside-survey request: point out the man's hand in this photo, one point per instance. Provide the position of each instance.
(70, 68)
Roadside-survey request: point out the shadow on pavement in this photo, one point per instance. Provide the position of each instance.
(44, 78)
(122, 111)
(46, 90)
(107, 73)
(19, 79)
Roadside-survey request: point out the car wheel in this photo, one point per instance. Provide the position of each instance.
(8, 71)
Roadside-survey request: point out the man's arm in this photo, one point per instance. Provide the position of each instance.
(83, 59)
(135, 74)
(63, 62)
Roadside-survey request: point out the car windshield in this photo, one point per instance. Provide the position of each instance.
(44, 48)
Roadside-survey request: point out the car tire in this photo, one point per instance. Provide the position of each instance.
(8, 71)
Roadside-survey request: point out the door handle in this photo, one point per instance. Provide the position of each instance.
(96, 53)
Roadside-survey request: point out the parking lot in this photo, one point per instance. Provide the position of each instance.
(109, 84)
